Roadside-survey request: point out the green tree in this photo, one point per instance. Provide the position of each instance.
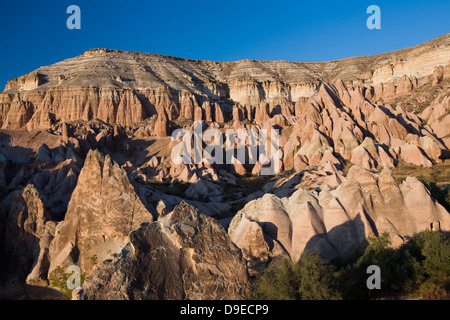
(435, 249)
(58, 279)
(318, 279)
(399, 271)
(432, 250)
(309, 279)
(421, 267)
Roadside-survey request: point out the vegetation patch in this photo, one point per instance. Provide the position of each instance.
(420, 269)
(59, 279)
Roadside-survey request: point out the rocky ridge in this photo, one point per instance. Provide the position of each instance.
(103, 209)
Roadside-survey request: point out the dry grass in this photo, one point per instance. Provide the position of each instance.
(183, 122)
(436, 179)
(347, 167)
(439, 173)
(253, 184)
(175, 189)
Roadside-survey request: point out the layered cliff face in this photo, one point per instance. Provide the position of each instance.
(346, 106)
(126, 87)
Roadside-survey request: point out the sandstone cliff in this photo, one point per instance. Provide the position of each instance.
(347, 106)
(126, 87)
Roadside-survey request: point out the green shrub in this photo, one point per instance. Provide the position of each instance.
(434, 290)
(281, 283)
(58, 279)
(309, 279)
(435, 249)
(318, 279)
(440, 194)
(432, 250)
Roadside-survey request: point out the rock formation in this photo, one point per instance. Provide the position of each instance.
(103, 210)
(184, 255)
(334, 223)
(28, 232)
(93, 86)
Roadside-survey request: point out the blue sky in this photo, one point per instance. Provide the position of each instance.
(34, 33)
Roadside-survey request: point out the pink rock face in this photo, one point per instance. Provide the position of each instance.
(261, 113)
(209, 113)
(437, 116)
(246, 230)
(362, 156)
(237, 167)
(440, 73)
(220, 117)
(336, 224)
(184, 255)
(410, 153)
(386, 159)
(198, 114)
(367, 113)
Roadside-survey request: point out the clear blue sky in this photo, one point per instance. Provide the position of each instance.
(34, 33)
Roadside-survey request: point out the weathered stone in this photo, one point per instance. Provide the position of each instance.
(103, 210)
(184, 255)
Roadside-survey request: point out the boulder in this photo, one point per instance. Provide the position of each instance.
(184, 255)
(28, 234)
